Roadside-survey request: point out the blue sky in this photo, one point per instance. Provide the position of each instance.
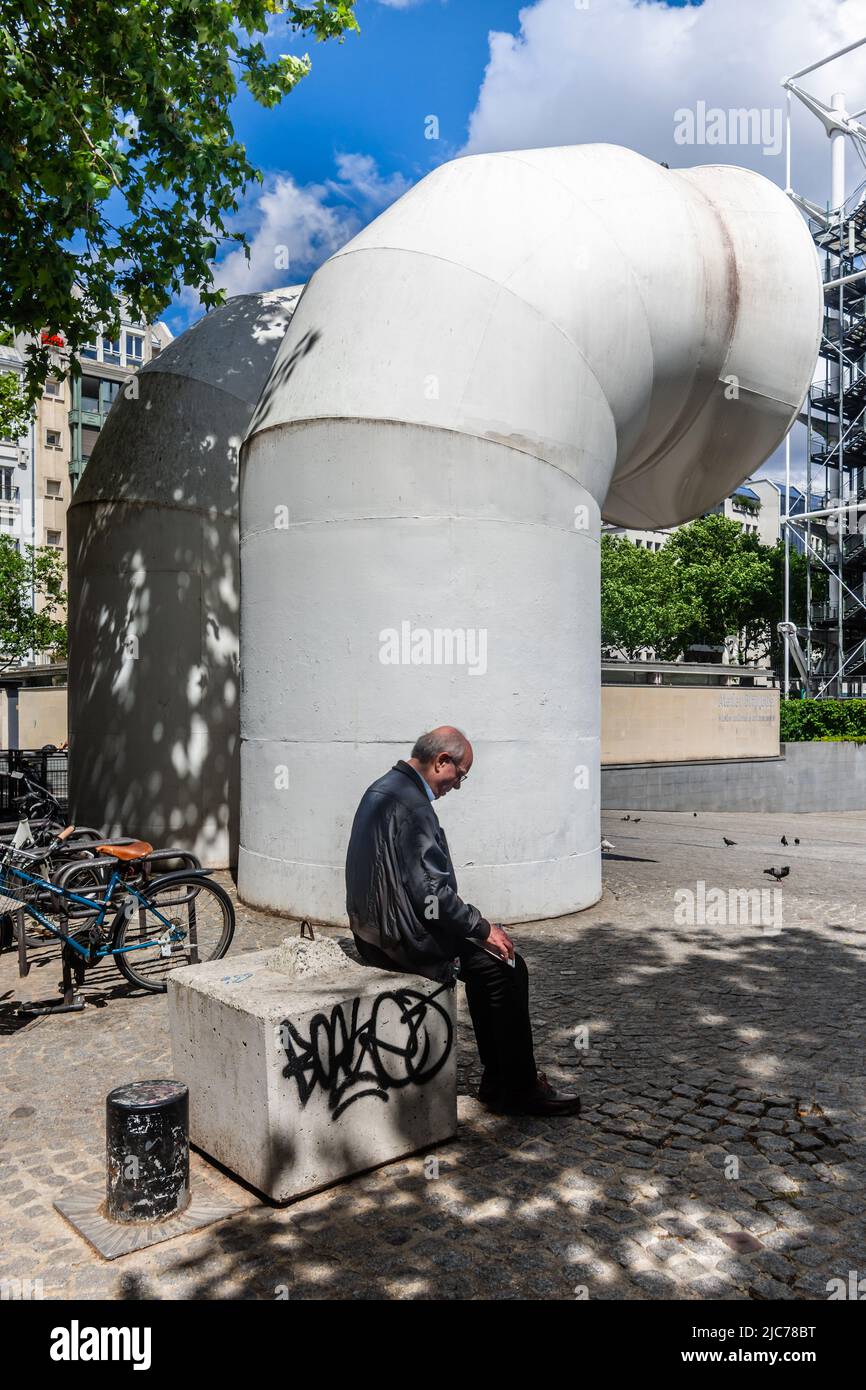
(500, 75)
(373, 91)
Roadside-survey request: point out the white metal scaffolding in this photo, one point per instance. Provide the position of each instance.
(829, 528)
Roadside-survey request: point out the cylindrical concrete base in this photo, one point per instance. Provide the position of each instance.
(398, 577)
(147, 1151)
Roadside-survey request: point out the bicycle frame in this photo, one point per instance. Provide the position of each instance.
(104, 904)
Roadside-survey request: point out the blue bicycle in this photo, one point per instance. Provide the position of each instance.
(155, 926)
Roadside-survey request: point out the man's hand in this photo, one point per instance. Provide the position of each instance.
(500, 943)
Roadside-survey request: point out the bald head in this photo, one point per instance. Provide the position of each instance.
(443, 757)
(445, 739)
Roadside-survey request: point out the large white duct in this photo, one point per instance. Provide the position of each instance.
(153, 588)
(521, 344)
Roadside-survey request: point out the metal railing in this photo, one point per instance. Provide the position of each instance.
(51, 768)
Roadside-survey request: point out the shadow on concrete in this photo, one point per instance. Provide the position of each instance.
(633, 1199)
(154, 591)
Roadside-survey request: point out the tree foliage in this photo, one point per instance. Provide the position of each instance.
(118, 160)
(37, 574)
(14, 411)
(823, 721)
(711, 583)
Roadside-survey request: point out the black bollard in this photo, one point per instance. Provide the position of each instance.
(147, 1151)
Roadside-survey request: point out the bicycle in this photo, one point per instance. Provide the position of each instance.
(182, 919)
(37, 802)
(90, 873)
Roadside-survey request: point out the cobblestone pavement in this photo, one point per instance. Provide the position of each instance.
(720, 1150)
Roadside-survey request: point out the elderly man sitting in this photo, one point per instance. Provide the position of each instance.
(405, 914)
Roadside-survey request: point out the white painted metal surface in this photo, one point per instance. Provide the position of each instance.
(153, 579)
(523, 343)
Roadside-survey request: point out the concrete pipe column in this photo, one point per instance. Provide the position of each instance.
(153, 589)
(523, 343)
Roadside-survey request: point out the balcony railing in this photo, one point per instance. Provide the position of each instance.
(83, 416)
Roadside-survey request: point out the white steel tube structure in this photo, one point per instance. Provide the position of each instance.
(524, 343)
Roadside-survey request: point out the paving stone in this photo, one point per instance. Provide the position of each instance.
(638, 1180)
(763, 1286)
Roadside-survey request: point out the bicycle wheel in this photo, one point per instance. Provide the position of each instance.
(202, 921)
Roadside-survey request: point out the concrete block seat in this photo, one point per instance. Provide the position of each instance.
(305, 1066)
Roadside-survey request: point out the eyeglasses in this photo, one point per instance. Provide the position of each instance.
(461, 775)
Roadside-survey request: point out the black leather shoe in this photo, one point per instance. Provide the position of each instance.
(541, 1099)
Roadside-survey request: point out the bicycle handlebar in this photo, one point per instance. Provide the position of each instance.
(36, 855)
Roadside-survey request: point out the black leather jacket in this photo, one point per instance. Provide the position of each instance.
(401, 892)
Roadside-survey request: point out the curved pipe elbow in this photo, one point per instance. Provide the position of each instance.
(650, 332)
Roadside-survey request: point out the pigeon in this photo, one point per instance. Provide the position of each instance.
(783, 840)
(695, 814)
(728, 842)
(796, 841)
(606, 844)
(779, 873)
(625, 817)
(636, 819)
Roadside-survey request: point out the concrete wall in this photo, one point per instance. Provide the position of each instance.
(666, 723)
(41, 716)
(806, 777)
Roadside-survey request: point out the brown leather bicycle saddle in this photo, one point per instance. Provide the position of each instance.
(135, 849)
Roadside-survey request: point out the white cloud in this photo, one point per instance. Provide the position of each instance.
(359, 178)
(617, 71)
(292, 227)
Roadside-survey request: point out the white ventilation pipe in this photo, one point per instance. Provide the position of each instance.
(524, 343)
(153, 589)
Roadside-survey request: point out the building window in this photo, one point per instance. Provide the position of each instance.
(53, 539)
(52, 487)
(8, 490)
(155, 345)
(54, 390)
(90, 351)
(52, 439)
(134, 349)
(108, 393)
(111, 351)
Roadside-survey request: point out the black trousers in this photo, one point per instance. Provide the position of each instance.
(498, 999)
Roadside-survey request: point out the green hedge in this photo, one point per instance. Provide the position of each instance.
(822, 721)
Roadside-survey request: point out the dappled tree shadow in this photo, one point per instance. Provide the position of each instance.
(154, 674)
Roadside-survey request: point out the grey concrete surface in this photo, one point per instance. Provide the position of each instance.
(305, 1066)
(807, 777)
(696, 1045)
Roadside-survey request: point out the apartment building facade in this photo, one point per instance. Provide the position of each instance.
(17, 491)
(755, 506)
(39, 472)
(71, 413)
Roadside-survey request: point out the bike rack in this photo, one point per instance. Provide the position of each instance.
(73, 1000)
(87, 833)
